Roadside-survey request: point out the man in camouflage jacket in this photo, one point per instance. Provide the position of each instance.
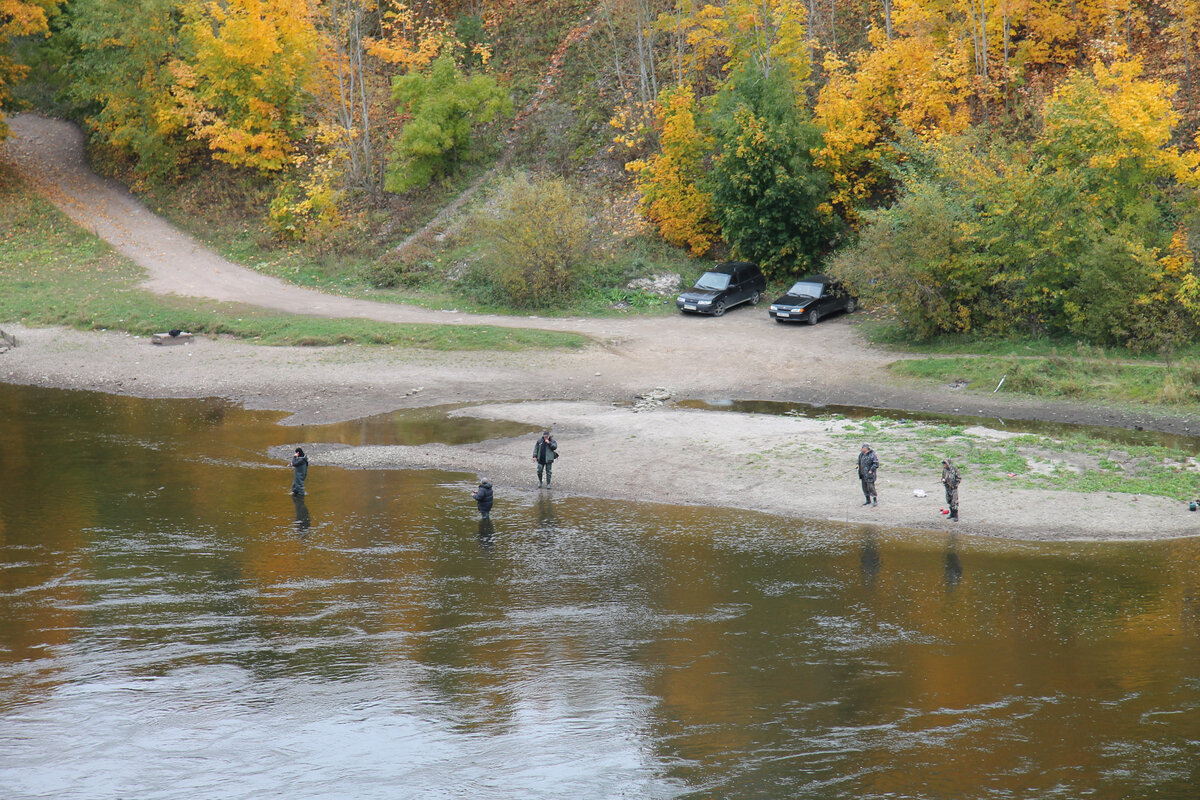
(951, 480)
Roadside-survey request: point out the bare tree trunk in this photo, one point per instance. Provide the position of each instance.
(833, 24)
(346, 21)
(887, 18)
(811, 24)
(1007, 77)
(644, 24)
(1188, 25)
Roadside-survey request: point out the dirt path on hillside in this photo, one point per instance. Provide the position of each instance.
(742, 355)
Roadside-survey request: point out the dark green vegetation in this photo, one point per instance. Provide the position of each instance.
(54, 273)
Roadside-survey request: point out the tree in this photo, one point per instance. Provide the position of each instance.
(18, 18)
(767, 194)
(1113, 128)
(1077, 234)
(122, 80)
(244, 89)
(351, 96)
(669, 182)
(724, 38)
(444, 108)
(543, 239)
(917, 81)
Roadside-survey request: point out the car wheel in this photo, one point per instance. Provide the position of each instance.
(814, 317)
(718, 309)
(754, 298)
(851, 304)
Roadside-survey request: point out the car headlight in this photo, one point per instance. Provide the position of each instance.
(774, 308)
(706, 302)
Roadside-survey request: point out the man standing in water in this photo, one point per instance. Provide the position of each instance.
(483, 497)
(868, 467)
(544, 453)
(951, 480)
(299, 471)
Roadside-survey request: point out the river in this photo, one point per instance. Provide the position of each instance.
(174, 625)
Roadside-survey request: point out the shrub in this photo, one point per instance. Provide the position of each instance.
(543, 239)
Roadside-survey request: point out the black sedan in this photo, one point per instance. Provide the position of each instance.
(811, 299)
(724, 286)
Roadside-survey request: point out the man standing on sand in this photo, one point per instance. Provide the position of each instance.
(868, 467)
(951, 480)
(299, 472)
(544, 453)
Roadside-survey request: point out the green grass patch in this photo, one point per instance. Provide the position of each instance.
(1070, 378)
(880, 329)
(54, 273)
(1029, 461)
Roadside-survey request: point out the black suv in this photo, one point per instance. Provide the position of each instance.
(725, 286)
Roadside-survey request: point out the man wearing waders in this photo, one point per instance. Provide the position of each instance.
(868, 466)
(951, 479)
(544, 454)
(299, 472)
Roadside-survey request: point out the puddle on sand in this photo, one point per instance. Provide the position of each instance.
(428, 425)
(1123, 436)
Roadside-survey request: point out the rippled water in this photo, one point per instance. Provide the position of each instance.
(173, 625)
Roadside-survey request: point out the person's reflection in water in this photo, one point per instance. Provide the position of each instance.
(869, 560)
(954, 570)
(486, 534)
(544, 509)
(303, 520)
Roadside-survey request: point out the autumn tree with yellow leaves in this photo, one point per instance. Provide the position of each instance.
(670, 181)
(18, 18)
(244, 87)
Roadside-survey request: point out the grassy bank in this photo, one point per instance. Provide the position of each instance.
(1098, 378)
(54, 273)
(1028, 461)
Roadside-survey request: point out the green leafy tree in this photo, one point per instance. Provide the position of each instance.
(122, 80)
(1003, 238)
(444, 107)
(767, 194)
(915, 258)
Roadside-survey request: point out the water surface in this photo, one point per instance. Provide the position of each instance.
(174, 625)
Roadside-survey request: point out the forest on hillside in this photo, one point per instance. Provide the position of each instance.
(987, 167)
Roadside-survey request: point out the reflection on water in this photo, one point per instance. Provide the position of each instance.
(416, 426)
(174, 625)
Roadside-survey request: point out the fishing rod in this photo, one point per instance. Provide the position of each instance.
(243, 449)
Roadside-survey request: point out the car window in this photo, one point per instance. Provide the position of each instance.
(806, 288)
(716, 281)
